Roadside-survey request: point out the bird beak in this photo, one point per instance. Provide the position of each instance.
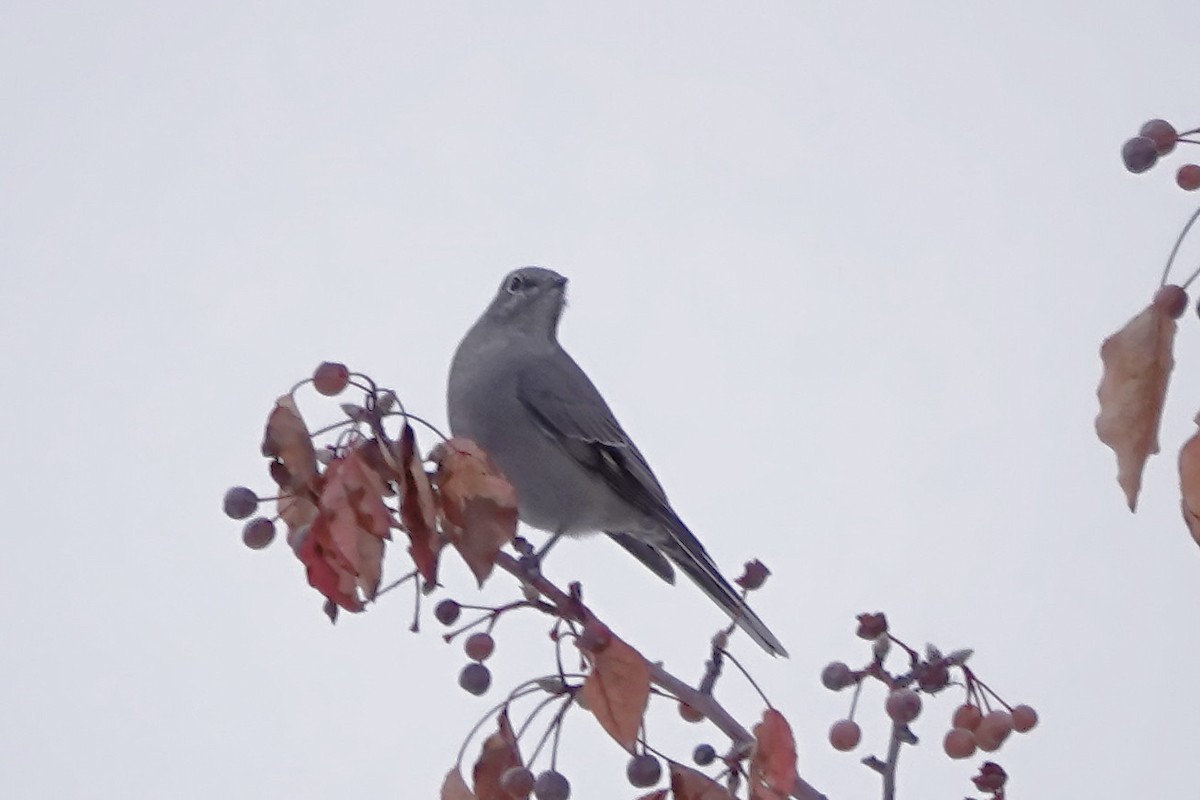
(560, 282)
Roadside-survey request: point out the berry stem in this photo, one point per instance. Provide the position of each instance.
(395, 583)
(491, 616)
(422, 420)
(1175, 251)
(854, 700)
(331, 427)
(415, 627)
(462, 750)
(913, 657)
(533, 714)
(553, 727)
(987, 689)
(746, 674)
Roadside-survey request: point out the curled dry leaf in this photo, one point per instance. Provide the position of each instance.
(754, 575)
(688, 784)
(343, 549)
(286, 438)
(1189, 482)
(617, 689)
(774, 761)
(478, 505)
(498, 754)
(418, 508)
(1137, 366)
(455, 788)
(359, 522)
(296, 510)
(328, 571)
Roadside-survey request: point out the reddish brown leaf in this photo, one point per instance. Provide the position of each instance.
(327, 570)
(418, 508)
(1137, 366)
(499, 753)
(286, 438)
(760, 791)
(351, 502)
(688, 784)
(617, 689)
(455, 788)
(296, 511)
(478, 504)
(1189, 482)
(658, 794)
(774, 762)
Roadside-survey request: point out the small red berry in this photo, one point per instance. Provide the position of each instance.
(836, 676)
(258, 533)
(845, 735)
(479, 646)
(1024, 718)
(993, 730)
(330, 378)
(1172, 300)
(1188, 177)
(447, 611)
(959, 743)
(967, 716)
(1139, 154)
(903, 705)
(1162, 133)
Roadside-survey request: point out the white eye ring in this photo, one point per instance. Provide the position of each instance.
(514, 285)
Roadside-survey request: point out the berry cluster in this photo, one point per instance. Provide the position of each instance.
(475, 677)
(1155, 139)
(984, 721)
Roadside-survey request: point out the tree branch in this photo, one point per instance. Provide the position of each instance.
(571, 608)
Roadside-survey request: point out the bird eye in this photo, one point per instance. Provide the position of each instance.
(514, 285)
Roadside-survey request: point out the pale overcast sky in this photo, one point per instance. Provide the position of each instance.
(841, 269)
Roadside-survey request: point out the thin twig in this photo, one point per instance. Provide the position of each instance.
(893, 756)
(1175, 250)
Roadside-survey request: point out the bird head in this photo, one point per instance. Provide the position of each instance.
(530, 299)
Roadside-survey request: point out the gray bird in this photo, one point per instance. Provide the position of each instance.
(520, 396)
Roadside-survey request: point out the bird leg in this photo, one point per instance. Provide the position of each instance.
(533, 561)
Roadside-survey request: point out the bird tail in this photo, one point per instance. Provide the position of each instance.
(686, 551)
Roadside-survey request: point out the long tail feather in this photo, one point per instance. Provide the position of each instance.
(690, 556)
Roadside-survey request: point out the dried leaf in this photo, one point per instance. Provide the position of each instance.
(1189, 482)
(478, 504)
(286, 438)
(351, 502)
(455, 788)
(754, 575)
(1137, 366)
(418, 508)
(499, 753)
(658, 794)
(327, 570)
(760, 791)
(774, 762)
(617, 689)
(296, 511)
(688, 784)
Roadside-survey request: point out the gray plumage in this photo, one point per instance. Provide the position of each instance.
(515, 391)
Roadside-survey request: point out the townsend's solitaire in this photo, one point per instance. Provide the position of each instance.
(520, 396)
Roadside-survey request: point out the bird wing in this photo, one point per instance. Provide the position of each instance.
(567, 407)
